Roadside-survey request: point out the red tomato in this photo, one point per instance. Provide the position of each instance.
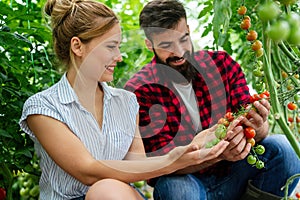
(242, 10)
(290, 119)
(256, 45)
(267, 93)
(249, 132)
(298, 195)
(256, 97)
(292, 106)
(229, 116)
(252, 35)
(298, 119)
(245, 24)
(2, 193)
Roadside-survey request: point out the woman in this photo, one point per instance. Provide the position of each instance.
(85, 132)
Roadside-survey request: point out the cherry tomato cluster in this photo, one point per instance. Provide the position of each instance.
(27, 186)
(256, 45)
(249, 132)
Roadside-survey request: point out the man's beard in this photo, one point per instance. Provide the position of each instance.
(184, 73)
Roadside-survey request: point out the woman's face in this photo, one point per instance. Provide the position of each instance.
(101, 54)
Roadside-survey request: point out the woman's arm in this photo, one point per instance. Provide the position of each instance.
(71, 155)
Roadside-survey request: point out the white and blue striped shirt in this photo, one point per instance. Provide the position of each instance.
(111, 143)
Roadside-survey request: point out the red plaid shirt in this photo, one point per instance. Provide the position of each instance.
(219, 87)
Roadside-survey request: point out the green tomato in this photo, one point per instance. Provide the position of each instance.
(294, 36)
(259, 164)
(148, 194)
(212, 143)
(279, 31)
(24, 191)
(269, 10)
(251, 159)
(139, 184)
(260, 149)
(34, 192)
(220, 132)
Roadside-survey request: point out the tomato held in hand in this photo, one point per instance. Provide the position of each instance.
(260, 164)
(260, 149)
(249, 132)
(251, 159)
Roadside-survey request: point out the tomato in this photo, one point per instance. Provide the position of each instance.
(223, 121)
(252, 35)
(279, 31)
(258, 72)
(290, 119)
(245, 24)
(139, 184)
(148, 194)
(269, 10)
(2, 193)
(251, 159)
(247, 18)
(259, 53)
(292, 106)
(256, 45)
(212, 143)
(266, 93)
(242, 10)
(294, 36)
(249, 132)
(34, 192)
(260, 149)
(24, 191)
(220, 132)
(297, 194)
(259, 164)
(298, 119)
(229, 116)
(255, 97)
(296, 97)
(251, 141)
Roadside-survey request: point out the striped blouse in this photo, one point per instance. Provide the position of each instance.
(111, 143)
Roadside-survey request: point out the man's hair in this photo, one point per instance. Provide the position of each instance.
(159, 15)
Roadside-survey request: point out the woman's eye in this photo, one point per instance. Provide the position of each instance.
(111, 47)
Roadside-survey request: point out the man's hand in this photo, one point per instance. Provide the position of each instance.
(259, 119)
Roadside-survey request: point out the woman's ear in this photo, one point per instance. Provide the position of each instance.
(76, 46)
(149, 44)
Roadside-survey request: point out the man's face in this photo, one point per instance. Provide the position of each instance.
(171, 45)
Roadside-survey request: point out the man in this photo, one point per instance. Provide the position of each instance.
(182, 92)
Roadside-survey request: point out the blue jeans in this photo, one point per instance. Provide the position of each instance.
(280, 160)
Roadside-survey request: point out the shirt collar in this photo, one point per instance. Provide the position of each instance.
(67, 95)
